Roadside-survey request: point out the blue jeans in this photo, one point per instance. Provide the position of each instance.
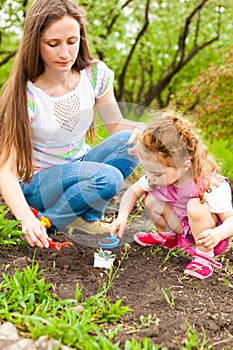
(83, 188)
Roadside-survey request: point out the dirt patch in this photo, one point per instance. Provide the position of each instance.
(142, 282)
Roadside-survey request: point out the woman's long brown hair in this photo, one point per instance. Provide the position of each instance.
(28, 65)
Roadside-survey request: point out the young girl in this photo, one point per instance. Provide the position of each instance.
(46, 112)
(187, 199)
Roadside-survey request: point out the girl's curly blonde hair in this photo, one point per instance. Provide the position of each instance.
(172, 138)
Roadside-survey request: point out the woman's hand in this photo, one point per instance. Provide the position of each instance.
(35, 233)
(135, 135)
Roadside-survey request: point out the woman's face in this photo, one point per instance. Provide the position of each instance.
(59, 44)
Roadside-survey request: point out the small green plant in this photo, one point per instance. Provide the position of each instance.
(105, 254)
(25, 293)
(145, 322)
(145, 344)
(228, 283)
(104, 285)
(171, 252)
(112, 275)
(228, 268)
(113, 332)
(193, 342)
(11, 233)
(154, 250)
(169, 296)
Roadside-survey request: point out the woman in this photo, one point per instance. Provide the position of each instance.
(46, 112)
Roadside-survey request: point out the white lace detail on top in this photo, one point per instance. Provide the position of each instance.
(59, 124)
(67, 112)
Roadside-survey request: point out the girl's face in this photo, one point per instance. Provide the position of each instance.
(59, 44)
(159, 174)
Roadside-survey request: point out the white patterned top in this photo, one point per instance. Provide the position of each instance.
(59, 124)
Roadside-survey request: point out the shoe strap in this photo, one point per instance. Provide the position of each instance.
(164, 237)
(161, 235)
(208, 260)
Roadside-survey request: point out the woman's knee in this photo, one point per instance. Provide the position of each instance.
(109, 181)
(124, 134)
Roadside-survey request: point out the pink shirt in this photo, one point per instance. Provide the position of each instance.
(219, 199)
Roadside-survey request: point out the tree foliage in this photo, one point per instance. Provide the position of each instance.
(150, 43)
(12, 14)
(209, 98)
(152, 46)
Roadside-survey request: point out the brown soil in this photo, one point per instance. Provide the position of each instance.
(140, 282)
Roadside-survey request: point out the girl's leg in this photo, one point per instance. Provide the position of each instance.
(162, 215)
(165, 221)
(114, 151)
(200, 218)
(75, 189)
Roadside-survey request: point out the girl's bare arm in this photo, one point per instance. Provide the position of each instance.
(211, 237)
(128, 200)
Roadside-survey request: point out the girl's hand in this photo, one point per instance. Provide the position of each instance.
(35, 233)
(118, 227)
(208, 238)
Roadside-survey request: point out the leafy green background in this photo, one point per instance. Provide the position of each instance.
(141, 40)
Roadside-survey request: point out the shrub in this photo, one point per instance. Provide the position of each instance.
(209, 99)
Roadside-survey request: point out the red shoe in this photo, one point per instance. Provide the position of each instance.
(201, 267)
(158, 238)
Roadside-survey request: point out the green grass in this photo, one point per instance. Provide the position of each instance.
(27, 301)
(11, 233)
(223, 152)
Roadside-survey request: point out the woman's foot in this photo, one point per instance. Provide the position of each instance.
(95, 227)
